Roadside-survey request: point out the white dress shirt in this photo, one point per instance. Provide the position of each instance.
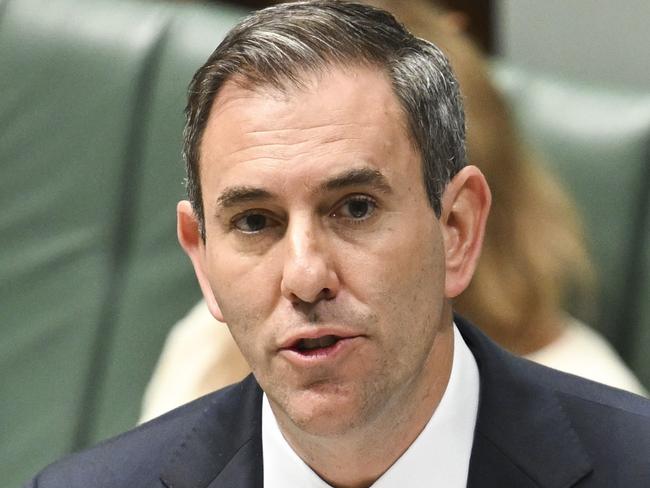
(439, 456)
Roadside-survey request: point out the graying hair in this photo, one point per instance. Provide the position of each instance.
(278, 45)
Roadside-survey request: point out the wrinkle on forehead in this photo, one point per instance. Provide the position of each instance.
(301, 135)
(289, 129)
(253, 151)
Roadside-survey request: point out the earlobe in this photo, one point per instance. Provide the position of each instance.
(190, 239)
(465, 207)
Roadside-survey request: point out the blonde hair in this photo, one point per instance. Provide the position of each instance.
(534, 247)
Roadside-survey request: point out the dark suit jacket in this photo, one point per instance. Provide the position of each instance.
(536, 427)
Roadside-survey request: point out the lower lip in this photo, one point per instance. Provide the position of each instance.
(321, 355)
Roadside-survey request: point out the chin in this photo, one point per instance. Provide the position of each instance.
(327, 413)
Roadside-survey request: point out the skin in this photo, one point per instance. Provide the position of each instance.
(317, 222)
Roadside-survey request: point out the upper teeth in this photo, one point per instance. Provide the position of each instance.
(324, 341)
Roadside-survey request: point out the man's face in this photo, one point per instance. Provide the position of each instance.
(323, 254)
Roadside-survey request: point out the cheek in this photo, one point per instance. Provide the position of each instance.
(403, 267)
(245, 288)
(405, 285)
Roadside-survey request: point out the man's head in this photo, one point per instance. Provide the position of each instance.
(324, 252)
(278, 46)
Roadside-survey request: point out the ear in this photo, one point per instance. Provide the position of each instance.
(465, 207)
(189, 236)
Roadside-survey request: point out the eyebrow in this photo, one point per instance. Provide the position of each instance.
(356, 177)
(237, 195)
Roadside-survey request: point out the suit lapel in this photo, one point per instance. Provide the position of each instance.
(523, 437)
(224, 448)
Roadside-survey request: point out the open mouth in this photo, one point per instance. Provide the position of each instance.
(315, 345)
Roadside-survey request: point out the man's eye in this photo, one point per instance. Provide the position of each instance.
(356, 208)
(251, 223)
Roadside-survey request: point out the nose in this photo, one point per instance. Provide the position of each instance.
(308, 274)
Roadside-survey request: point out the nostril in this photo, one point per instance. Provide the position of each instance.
(324, 294)
(327, 293)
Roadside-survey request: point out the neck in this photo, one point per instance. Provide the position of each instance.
(375, 446)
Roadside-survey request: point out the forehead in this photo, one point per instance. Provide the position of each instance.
(333, 90)
(333, 119)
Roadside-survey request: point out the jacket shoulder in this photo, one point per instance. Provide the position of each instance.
(613, 427)
(136, 457)
(532, 417)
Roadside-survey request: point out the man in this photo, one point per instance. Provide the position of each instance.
(332, 219)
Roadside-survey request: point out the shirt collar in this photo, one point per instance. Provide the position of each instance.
(439, 456)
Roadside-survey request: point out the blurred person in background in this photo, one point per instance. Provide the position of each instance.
(533, 255)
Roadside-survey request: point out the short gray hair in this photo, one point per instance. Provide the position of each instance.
(278, 45)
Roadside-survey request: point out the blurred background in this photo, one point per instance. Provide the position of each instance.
(91, 113)
(601, 42)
